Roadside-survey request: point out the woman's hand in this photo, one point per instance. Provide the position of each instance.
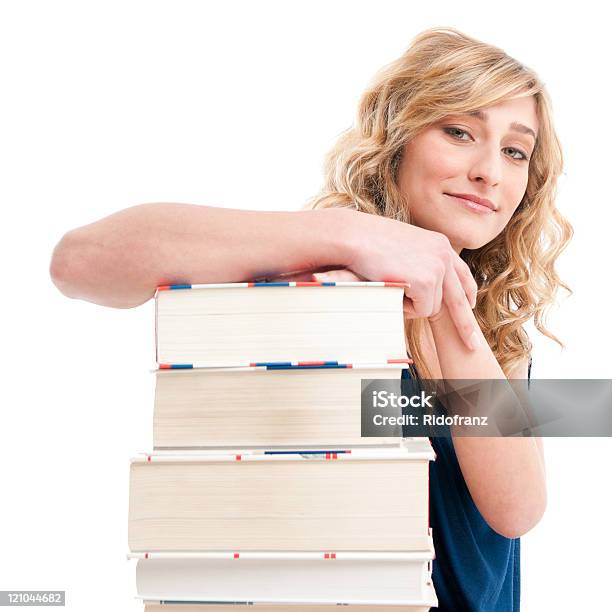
(384, 249)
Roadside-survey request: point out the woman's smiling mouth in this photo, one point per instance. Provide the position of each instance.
(473, 203)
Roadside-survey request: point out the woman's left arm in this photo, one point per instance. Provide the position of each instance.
(505, 475)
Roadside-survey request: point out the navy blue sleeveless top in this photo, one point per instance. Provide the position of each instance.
(475, 569)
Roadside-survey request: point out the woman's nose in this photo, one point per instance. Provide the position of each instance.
(487, 167)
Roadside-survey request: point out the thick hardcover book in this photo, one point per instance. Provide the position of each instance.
(315, 578)
(343, 500)
(259, 406)
(239, 324)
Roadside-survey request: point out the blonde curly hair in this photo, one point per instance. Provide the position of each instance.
(445, 72)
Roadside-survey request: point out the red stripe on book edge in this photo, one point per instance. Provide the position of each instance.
(349, 452)
(163, 288)
(349, 365)
(165, 366)
(333, 555)
(251, 284)
(236, 555)
(406, 360)
(327, 455)
(305, 363)
(326, 556)
(146, 555)
(238, 457)
(334, 455)
(149, 458)
(396, 284)
(308, 283)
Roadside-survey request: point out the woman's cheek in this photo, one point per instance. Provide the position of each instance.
(448, 162)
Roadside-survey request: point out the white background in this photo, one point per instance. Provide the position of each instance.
(109, 104)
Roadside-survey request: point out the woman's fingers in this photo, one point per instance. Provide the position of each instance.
(425, 299)
(470, 288)
(459, 309)
(420, 297)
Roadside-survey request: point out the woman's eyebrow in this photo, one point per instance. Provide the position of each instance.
(516, 127)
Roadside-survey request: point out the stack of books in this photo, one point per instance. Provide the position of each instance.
(260, 489)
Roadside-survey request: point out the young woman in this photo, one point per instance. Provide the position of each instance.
(447, 181)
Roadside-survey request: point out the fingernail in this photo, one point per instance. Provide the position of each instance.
(474, 341)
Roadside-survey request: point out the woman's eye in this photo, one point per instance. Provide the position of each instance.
(522, 155)
(458, 133)
(452, 131)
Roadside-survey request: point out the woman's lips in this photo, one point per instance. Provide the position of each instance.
(470, 205)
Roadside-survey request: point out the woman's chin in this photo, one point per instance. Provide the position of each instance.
(472, 245)
(460, 232)
(470, 242)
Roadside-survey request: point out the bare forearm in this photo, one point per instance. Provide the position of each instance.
(119, 260)
(505, 476)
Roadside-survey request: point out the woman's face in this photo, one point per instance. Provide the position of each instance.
(484, 154)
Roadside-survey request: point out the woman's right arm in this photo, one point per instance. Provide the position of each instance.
(119, 260)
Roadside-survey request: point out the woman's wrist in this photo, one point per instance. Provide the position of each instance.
(442, 321)
(336, 230)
